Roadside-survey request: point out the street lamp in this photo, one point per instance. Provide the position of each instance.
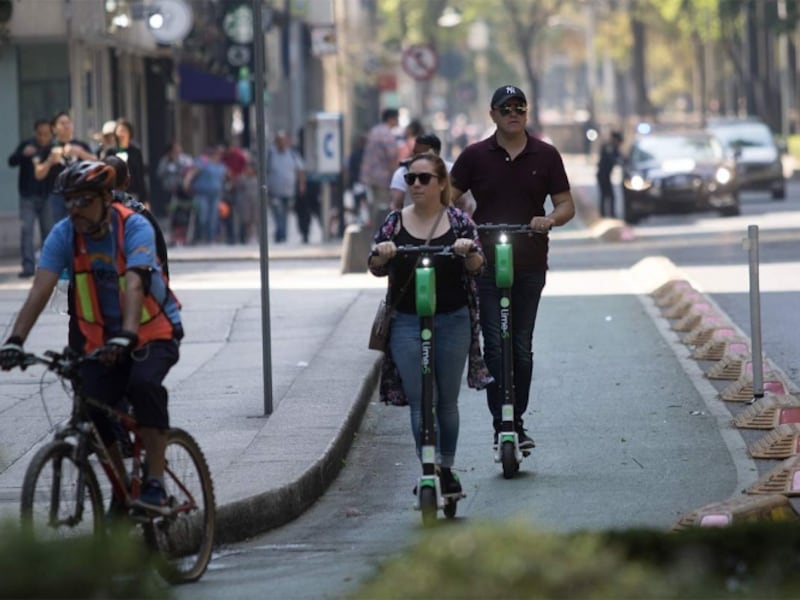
(478, 42)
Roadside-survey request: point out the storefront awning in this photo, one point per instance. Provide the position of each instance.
(203, 87)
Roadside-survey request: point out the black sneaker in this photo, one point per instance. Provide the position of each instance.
(525, 441)
(449, 482)
(494, 440)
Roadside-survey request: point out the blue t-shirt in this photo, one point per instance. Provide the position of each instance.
(139, 251)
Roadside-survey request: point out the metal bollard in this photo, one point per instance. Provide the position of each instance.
(751, 244)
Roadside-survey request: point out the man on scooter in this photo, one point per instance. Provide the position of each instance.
(511, 174)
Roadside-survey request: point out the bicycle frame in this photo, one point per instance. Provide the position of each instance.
(87, 438)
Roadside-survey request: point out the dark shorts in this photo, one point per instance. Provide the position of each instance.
(139, 381)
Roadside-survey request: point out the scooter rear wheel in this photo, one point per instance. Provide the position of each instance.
(509, 460)
(427, 505)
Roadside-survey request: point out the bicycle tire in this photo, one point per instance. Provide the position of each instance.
(184, 540)
(54, 469)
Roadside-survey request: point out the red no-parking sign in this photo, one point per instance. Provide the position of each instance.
(420, 61)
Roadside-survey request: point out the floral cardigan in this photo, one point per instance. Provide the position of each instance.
(478, 376)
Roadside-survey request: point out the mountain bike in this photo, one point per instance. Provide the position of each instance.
(62, 495)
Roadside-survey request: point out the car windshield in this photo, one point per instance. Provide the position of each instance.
(745, 135)
(667, 147)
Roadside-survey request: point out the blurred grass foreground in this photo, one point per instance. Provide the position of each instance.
(484, 560)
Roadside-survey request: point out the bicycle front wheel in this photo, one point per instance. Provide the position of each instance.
(61, 497)
(185, 539)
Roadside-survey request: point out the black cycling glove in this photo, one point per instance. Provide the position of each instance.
(11, 353)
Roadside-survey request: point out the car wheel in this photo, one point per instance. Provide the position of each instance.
(730, 211)
(779, 193)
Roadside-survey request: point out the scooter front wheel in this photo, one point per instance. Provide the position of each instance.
(509, 460)
(427, 505)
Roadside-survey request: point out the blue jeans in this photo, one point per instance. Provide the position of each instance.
(32, 208)
(207, 217)
(451, 346)
(525, 295)
(280, 212)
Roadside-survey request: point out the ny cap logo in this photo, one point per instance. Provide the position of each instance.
(511, 89)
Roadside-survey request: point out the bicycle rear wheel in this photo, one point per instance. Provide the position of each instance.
(60, 497)
(185, 539)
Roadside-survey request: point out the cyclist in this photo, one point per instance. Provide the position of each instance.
(123, 307)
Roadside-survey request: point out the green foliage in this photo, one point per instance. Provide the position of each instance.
(112, 566)
(512, 560)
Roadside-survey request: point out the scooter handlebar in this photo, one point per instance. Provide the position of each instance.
(510, 228)
(437, 250)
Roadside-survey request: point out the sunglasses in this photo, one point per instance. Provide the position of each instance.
(424, 178)
(82, 202)
(507, 110)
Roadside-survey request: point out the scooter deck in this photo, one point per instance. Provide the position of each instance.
(457, 496)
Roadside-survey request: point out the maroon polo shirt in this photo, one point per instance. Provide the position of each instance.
(511, 191)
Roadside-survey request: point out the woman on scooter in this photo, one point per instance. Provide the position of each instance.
(432, 216)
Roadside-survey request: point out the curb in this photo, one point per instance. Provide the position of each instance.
(240, 519)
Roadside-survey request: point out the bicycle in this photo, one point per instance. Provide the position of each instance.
(61, 492)
(507, 450)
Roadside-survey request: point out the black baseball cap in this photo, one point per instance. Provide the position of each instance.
(505, 93)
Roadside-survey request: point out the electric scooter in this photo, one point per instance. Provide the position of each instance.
(430, 498)
(507, 450)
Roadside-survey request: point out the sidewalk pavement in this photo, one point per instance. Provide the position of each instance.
(267, 469)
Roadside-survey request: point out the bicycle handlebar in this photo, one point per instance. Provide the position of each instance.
(62, 363)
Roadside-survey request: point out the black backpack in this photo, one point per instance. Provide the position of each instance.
(132, 203)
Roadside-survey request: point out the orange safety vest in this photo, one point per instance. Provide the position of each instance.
(153, 324)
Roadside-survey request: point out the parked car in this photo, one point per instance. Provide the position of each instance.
(758, 156)
(678, 172)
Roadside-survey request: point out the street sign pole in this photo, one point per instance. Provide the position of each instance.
(261, 152)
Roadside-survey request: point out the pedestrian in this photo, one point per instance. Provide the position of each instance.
(286, 176)
(360, 208)
(413, 130)
(130, 152)
(244, 191)
(123, 308)
(107, 139)
(379, 162)
(62, 152)
(206, 183)
(398, 189)
(33, 205)
(610, 157)
(431, 216)
(173, 166)
(307, 202)
(511, 174)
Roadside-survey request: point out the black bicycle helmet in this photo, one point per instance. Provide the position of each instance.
(85, 176)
